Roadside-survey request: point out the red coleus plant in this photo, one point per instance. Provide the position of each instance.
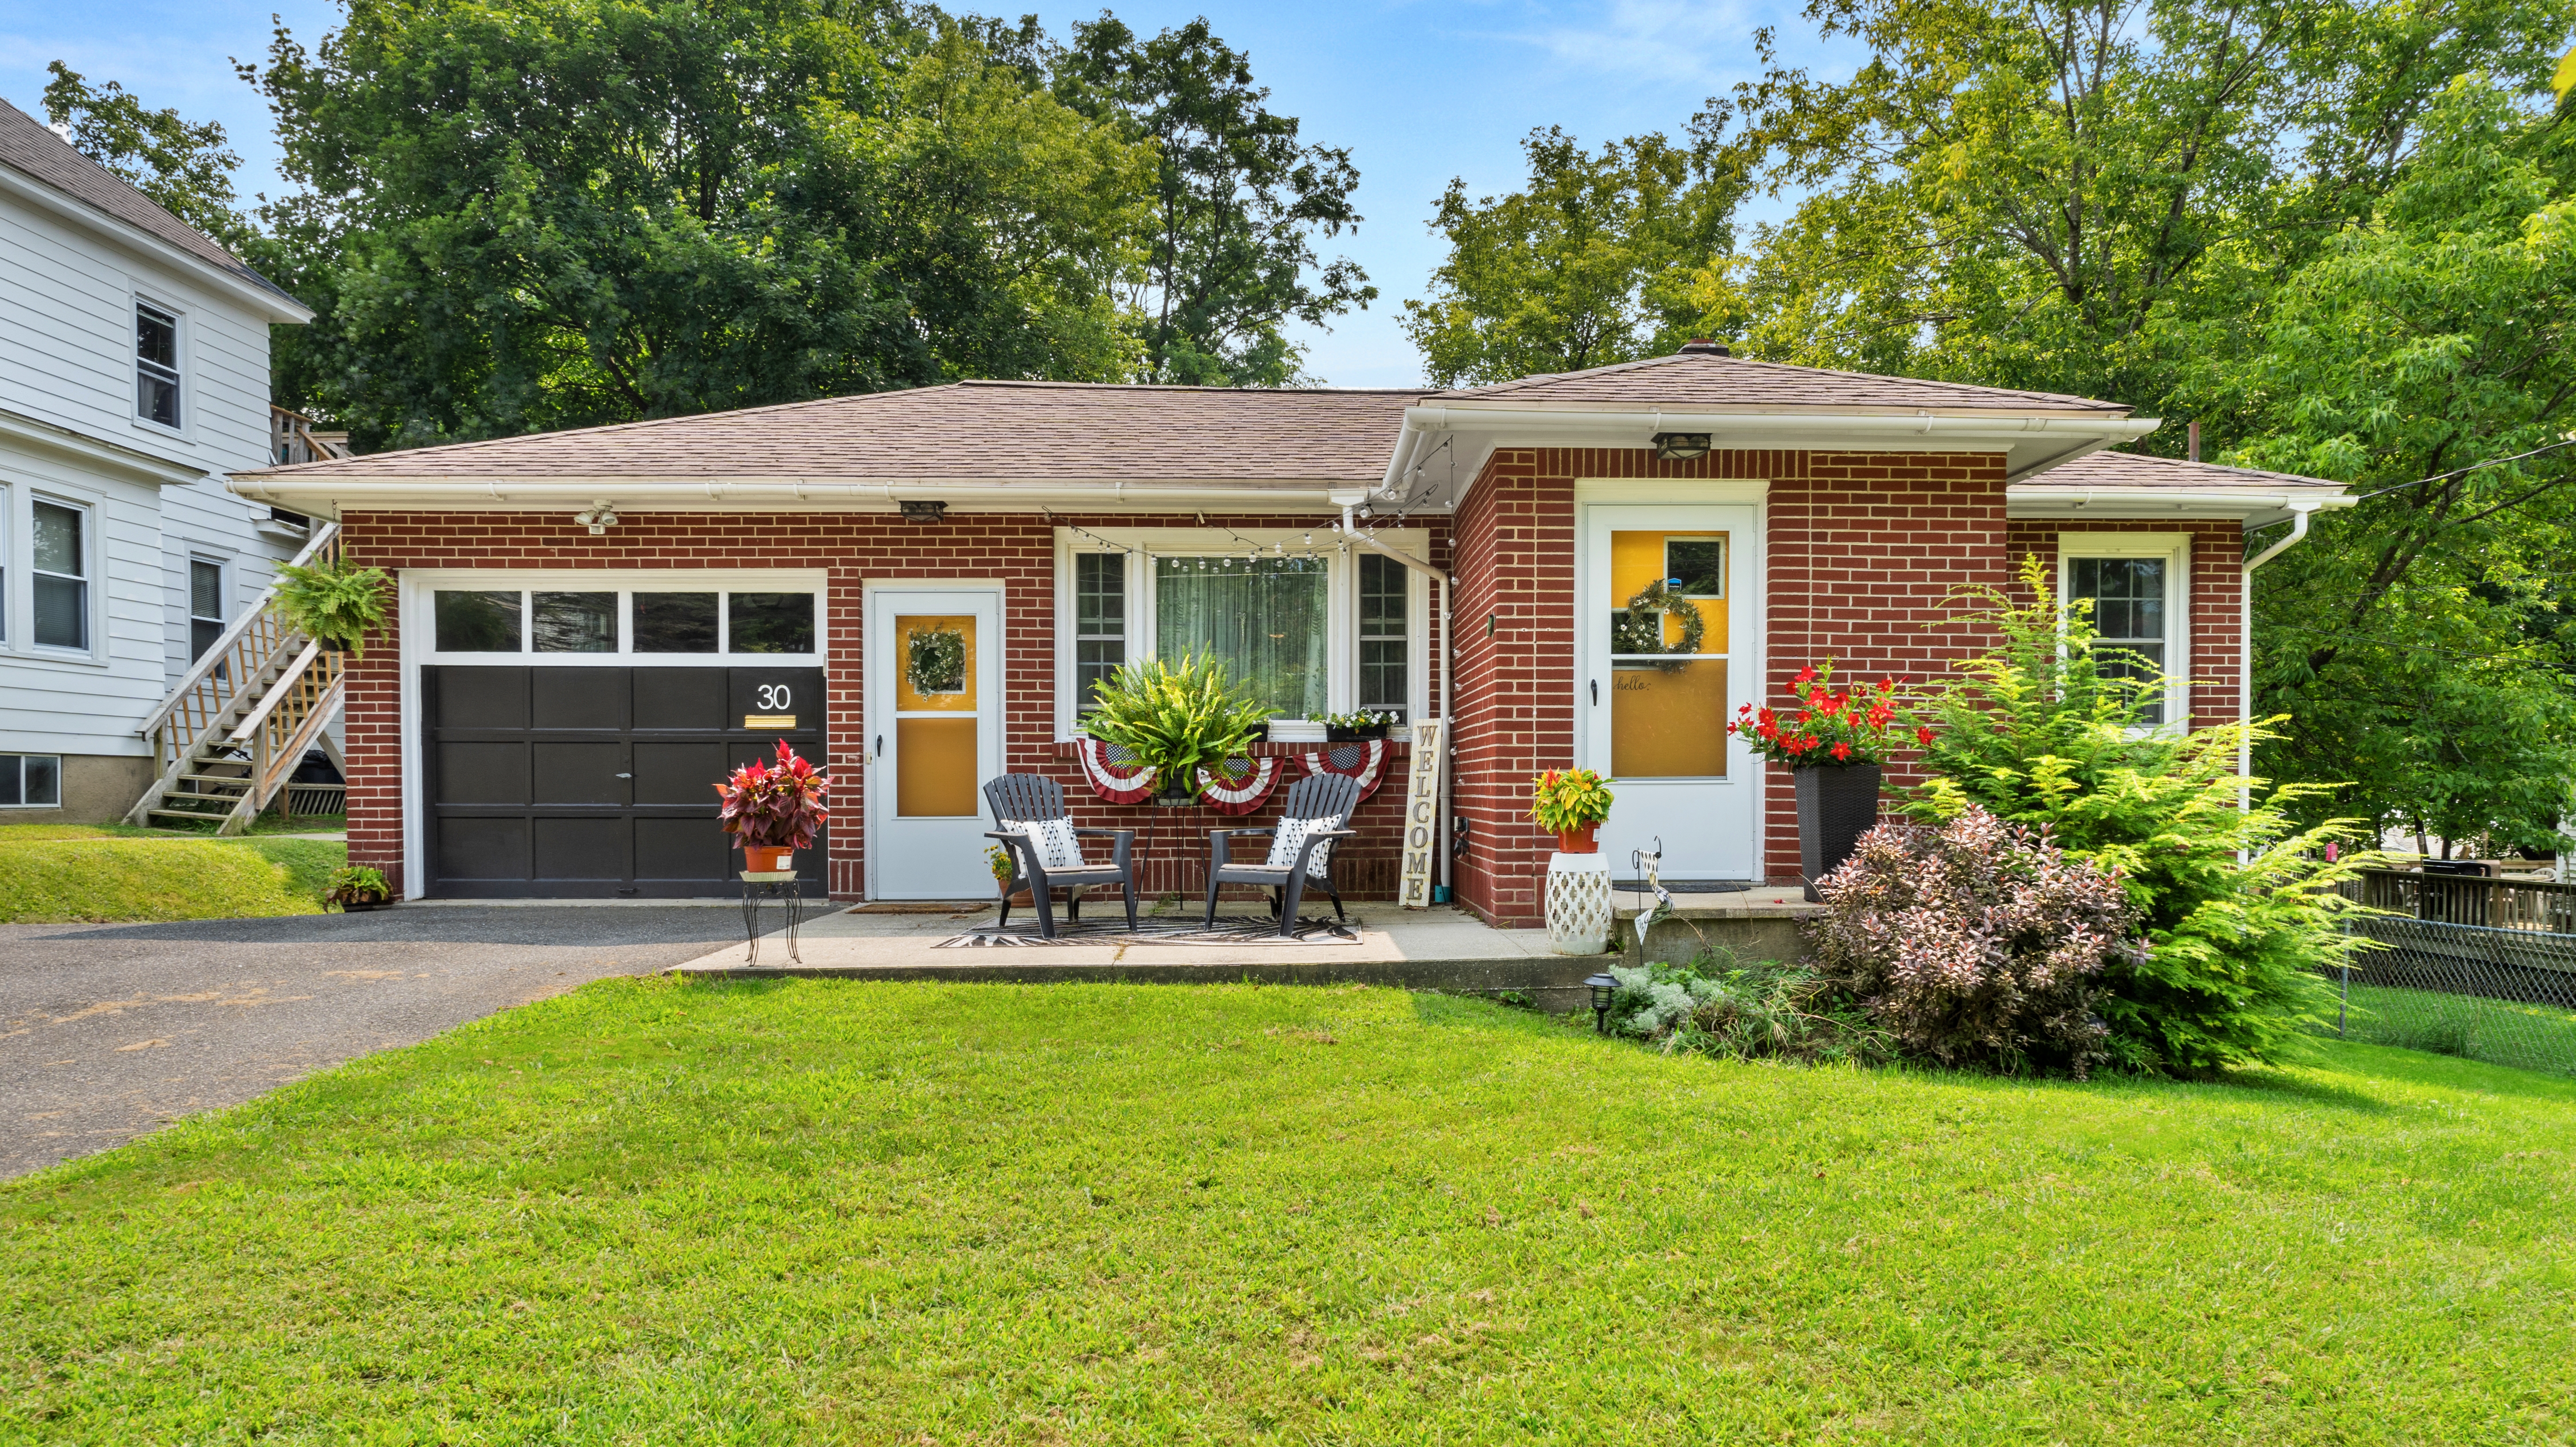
(774, 808)
(1829, 730)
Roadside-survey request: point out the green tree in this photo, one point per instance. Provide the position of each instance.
(2417, 635)
(1237, 202)
(556, 213)
(1592, 262)
(187, 166)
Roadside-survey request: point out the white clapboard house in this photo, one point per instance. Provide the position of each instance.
(140, 671)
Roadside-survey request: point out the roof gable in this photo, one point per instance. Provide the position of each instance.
(1715, 382)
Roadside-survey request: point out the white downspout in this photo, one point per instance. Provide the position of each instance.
(2299, 515)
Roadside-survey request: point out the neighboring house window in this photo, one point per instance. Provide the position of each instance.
(205, 606)
(62, 576)
(1308, 628)
(1099, 622)
(31, 781)
(1386, 648)
(2134, 583)
(156, 364)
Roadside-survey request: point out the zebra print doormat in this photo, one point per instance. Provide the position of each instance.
(1168, 930)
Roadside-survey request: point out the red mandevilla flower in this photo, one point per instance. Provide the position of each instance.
(1842, 751)
(1923, 735)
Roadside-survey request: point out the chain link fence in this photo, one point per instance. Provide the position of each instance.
(2479, 968)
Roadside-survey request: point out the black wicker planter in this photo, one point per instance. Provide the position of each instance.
(1336, 734)
(1835, 808)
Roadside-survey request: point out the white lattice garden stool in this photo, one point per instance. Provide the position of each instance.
(1579, 918)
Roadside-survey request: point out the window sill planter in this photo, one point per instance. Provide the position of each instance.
(1335, 734)
(1296, 731)
(1579, 914)
(1835, 807)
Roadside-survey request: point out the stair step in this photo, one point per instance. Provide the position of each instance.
(215, 778)
(185, 814)
(186, 796)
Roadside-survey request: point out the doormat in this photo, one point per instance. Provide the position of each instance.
(1169, 930)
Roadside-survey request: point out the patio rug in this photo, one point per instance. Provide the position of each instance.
(1169, 930)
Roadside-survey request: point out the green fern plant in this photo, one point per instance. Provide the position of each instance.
(1178, 718)
(334, 603)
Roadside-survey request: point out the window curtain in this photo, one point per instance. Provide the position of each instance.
(1263, 619)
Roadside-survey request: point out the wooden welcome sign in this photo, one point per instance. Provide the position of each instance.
(1422, 816)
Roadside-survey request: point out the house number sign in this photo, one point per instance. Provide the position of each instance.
(1421, 815)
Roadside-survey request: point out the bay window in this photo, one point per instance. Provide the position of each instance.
(1308, 626)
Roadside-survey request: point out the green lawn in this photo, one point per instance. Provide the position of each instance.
(57, 873)
(825, 1211)
(2506, 1032)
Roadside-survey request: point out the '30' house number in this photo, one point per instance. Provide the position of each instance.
(772, 698)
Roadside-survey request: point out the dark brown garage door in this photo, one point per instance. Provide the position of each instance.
(597, 783)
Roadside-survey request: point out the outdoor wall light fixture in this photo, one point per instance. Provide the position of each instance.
(916, 510)
(599, 517)
(1602, 987)
(1681, 446)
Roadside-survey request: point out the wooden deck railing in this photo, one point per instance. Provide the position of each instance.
(2467, 899)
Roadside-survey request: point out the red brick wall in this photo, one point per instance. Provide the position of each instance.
(1018, 549)
(1864, 550)
(2217, 598)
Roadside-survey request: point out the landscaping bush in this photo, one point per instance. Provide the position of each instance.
(2237, 904)
(1975, 944)
(1716, 1005)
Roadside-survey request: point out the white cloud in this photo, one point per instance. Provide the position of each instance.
(1697, 42)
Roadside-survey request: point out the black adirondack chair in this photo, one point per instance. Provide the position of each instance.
(1316, 796)
(1027, 798)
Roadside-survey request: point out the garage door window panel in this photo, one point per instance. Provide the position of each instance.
(477, 621)
(576, 622)
(675, 623)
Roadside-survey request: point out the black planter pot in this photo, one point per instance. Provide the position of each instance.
(1335, 734)
(1835, 808)
(1176, 796)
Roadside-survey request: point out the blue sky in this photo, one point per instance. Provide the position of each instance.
(1420, 92)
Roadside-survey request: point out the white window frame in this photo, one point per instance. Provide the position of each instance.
(17, 759)
(181, 348)
(93, 599)
(420, 615)
(1143, 545)
(2175, 549)
(223, 567)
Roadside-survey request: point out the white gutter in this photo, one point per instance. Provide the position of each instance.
(2271, 505)
(2299, 516)
(1444, 629)
(322, 494)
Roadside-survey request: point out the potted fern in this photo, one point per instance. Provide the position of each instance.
(1177, 718)
(357, 887)
(333, 603)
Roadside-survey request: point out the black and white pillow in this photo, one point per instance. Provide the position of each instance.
(1053, 842)
(1292, 834)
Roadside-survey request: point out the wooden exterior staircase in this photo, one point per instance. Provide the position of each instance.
(229, 736)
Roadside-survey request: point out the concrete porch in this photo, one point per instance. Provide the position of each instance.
(1436, 949)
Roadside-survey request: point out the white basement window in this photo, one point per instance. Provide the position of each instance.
(1309, 627)
(2138, 584)
(31, 781)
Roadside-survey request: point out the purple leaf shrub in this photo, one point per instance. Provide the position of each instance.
(1977, 943)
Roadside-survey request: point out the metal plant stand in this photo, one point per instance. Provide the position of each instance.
(782, 887)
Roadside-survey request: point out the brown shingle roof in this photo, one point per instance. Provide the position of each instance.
(1025, 431)
(2137, 469)
(1706, 381)
(29, 149)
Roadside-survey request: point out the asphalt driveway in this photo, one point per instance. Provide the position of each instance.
(109, 1031)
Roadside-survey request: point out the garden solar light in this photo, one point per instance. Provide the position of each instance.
(1603, 987)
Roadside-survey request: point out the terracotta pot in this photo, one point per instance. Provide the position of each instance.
(1585, 840)
(757, 859)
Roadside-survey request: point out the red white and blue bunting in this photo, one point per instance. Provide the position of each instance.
(1107, 768)
(1240, 798)
(1365, 762)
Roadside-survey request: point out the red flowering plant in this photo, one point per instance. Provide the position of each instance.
(1830, 730)
(774, 808)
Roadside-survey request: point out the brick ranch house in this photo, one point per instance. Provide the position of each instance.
(592, 626)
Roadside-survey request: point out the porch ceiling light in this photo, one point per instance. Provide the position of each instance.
(599, 517)
(1681, 446)
(916, 510)
(1602, 987)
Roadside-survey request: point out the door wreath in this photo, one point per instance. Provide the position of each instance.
(935, 661)
(1640, 629)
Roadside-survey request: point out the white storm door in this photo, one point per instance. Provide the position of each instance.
(934, 735)
(1650, 702)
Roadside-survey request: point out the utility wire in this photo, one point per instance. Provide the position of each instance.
(2568, 441)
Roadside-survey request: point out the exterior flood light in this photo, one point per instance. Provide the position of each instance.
(599, 517)
(1602, 987)
(919, 511)
(1681, 446)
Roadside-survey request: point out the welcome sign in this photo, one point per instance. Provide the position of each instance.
(1422, 816)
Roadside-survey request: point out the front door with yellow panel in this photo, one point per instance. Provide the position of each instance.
(934, 735)
(1668, 614)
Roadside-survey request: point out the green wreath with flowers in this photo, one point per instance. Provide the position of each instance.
(937, 661)
(1640, 629)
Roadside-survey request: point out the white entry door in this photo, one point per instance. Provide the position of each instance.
(1651, 700)
(934, 721)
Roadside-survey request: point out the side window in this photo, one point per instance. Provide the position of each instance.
(1385, 649)
(156, 364)
(205, 605)
(2131, 614)
(1099, 622)
(62, 575)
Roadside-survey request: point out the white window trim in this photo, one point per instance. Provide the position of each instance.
(2175, 548)
(22, 755)
(1341, 687)
(186, 431)
(93, 563)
